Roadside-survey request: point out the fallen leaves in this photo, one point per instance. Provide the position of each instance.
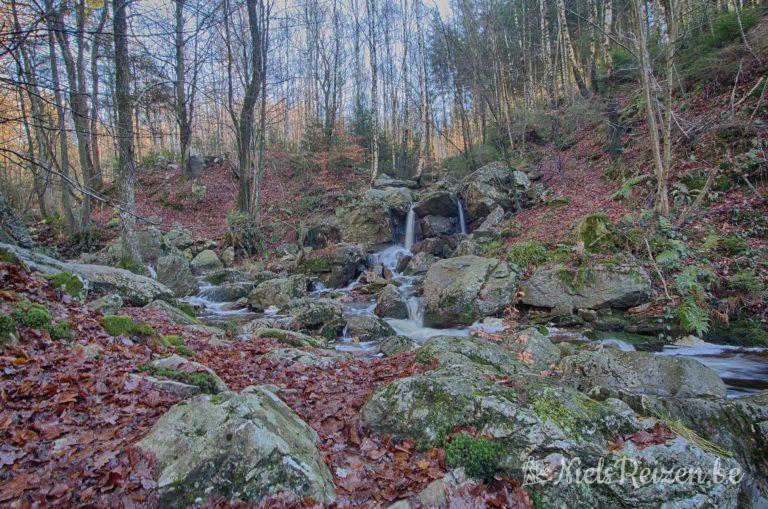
(655, 435)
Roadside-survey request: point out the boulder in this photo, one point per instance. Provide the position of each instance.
(198, 191)
(492, 186)
(174, 314)
(107, 305)
(227, 292)
(432, 226)
(258, 329)
(384, 181)
(391, 304)
(205, 262)
(469, 246)
(230, 275)
(394, 345)
(321, 232)
(179, 363)
(533, 349)
(236, 446)
(335, 266)
(151, 245)
(368, 328)
(321, 315)
(278, 292)
(196, 165)
(393, 198)
(228, 256)
(179, 238)
(493, 219)
(441, 246)
(437, 203)
(420, 263)
(294, 355)
(641, 373)
(174, 272)
(601, 286)
(458, 291)
(366, 224)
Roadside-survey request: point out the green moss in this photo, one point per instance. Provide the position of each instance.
(733, 245)
(528, 254)
(185, 351)
(205, 381)
(124, 326)
(548, 408)
(596, 231)
(423, 356)
(7, 327)
(8, 257)
(32, 315)
(479, 456)
(131, 265)
(60, 331)
(743, 332)
(186, 308)
(72, 283)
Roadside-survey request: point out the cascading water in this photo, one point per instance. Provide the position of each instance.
(410, 228)
(462, 221)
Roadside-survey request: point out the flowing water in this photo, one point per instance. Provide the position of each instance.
(462, 221)
(410, 229)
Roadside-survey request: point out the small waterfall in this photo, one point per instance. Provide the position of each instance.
(152, 272)
(414, 310)
(462, 221)
(410, 227)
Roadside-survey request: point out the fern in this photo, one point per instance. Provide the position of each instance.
(692, 318)
(625, 191)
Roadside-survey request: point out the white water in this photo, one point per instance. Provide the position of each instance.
(462, 221)
(410, 229)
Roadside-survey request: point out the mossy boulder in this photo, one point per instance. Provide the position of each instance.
(458, 291)
(600, 286)
(116, 325)
(205, 262)
(322, 316)
(491, 186)
(173, 313)
(108, 304)
(184, 370)
(236, 446)
(368, 328)
(294, 355)
(533, 349)
(278, 292)
(391, 304)
(175, 273)
(437, 203)
(395, 198)
(367, 224)
(335, 266)
(227, 292)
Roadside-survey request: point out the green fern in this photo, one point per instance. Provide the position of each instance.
(692, 318)
(625, 191)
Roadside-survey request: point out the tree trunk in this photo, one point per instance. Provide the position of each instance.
(183, 121)
(372, 33)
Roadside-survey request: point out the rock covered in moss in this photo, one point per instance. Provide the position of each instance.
(205, 262)
(174, 272)
(534, 349)
(390, 303)
(336, 266)
(278, 292)
(492, 186)
(175, 366)
(367, 224)
(394, 345)
(302, 357)
(317, 315)
(108, 304)
(247, 446)
(458, 291)
(601, 286)
(368, 328)
(641, 373)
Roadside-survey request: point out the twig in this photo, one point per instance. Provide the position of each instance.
(735, 84)
(750, 92)
(658, 271)
(759, 102)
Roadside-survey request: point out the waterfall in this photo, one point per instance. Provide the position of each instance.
(414, 310)
(462, 221)
(410, 227)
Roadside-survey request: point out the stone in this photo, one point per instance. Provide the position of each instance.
(335, 266)
(174, 314)
(420, 263)
(368, 328)
(391, 304)
(394, 345)
(294, 355)
(458, 291)
(490, 187)
(437, 203)
(287, 337)
(278, 292)
(321, 315)
(108, 304)
(236, 446)
(227, 292)
(230, 275)
(366, 224)
(641, 373)
(196, 165)
(205, 262)
(432, 226)
(393, 198)
(178, 389)
(198, 191)
(228, 256)
(179, 238)
(441, 246)
(383, 181)
(179, 363)
(597, 287)
(491, 221)
(174, 272)
(533, 349)
(151, 245)
(320, 232)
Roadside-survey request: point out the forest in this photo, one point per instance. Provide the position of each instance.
(384, 253)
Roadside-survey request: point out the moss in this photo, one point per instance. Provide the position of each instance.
(423, 356)
(596, 231)
(8, 257)
(72, 283)
(186, 308)
(205, 381)
(32, 315)
(317, 264)
(185, 351)
(733, 245)
(124, 326)
(479, 456)
(60, 331)
(131, 265)
(7, 328)
(548, 408)
(528, 254)
(742, 332)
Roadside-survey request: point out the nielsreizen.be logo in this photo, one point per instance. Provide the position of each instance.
(625, 470)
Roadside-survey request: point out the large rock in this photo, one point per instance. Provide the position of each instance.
(458, 291)
(437, 203)
(420, 263)
(205, 262)
(174, 272)
(317, 315)
(227, 292)
(432, 226)
(533, 349)
(278, 292)
(535, 422)
(366, 224)
(336, 266)
(394, 198)
(236, 446)
(391, 304)
(179, 363)
(641, 373)
(174, 314)
(179, 238)
(384, 181)
(368, 328)
(597, 287)
(108, 304)
(441, 246)
(321, 231)
(494, 185)
(135, 290)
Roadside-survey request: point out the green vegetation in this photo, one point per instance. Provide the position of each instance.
(747, 281)
(32, 315)
(734, 245)
(205, 381)
(528, 254)
(479, 456)
(186, 308)
(60, 331)
(7, 327)
(72, 283)
(124, 326)
(131, 265)
(596, 232)
(176, 342)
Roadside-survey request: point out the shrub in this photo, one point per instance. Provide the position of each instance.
(72, 283)
(692, 318)
(479, 456)
(124, 326)
(528, 254)
(734, 245)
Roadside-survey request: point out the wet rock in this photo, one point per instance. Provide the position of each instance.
(432, 226)
(107, 305)
(236, 446)
(321, 315)
(227, 292)
(597, 287)
(534, 349)
(441, 246)
(278, 292)
(391, 304)
(368, 328)
(335, 266)
(174, 314)
(230, 275)
(205, 262)
(394, 345)
(393, 198)
(458, 291)
(174, 272)
(641, 373)
(420, 263)
(437, 203)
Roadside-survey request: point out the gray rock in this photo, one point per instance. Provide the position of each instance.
(335, 266)
(179, 238)
(320, 232)
(394, 345)
(205, 262)
(302, 357)
(597, 287)
(437, 203)
(180, 363)
(367, 224)
(174, 272)
(278, 292)
(387, 181)
(227, 292)
(321, 315)
(641, 373)
(492, 220)
(490, 187)
(394, 198)
(420, 264)
(178, 389)
(230, 275)
(228, 256)
(441, 246)
(432, 226)
(174, 314)
(368, 328)
(247, 446)
(391, 304)
(107, 305)
(196, 165)
(458, 291)
(534, 349)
